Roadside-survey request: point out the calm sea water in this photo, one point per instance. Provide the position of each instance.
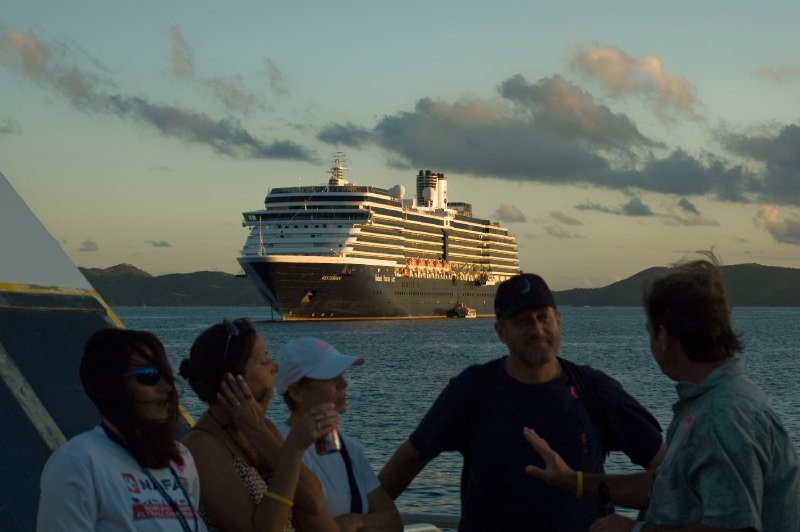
(410, 361)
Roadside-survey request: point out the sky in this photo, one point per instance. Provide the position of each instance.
(608, 137)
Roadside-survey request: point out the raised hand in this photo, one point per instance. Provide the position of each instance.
(244, 411)
(555, 469)
(318, 420)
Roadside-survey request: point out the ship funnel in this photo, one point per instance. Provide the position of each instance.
(425, 180)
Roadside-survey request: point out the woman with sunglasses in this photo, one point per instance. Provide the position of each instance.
(252, 479)
(129, 472)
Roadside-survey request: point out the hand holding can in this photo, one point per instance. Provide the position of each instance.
(329, 443)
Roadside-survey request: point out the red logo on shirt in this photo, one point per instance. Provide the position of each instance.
(130, 482)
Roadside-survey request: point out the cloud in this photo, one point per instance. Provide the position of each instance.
(559, 232)
(687, 206)
(22, 50)
(596, 207)
(531, 136)
(87, 91)
(786, 231)
(780, 73)
(563, 218)
(509, 213)
(478, 138)
(159, 243)
(229, 92)
(9, 127)
(687, 215)
(182, 65)
(622, 74)
(347, 135)
(88, 246)
(276, 81)
(566, 109)
(634, 207)
(780, 154)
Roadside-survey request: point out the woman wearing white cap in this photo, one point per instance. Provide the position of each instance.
(312, 372)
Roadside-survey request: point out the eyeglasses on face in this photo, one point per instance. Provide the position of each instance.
(149, 375)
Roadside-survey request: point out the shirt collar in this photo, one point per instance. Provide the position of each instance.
(727, 371)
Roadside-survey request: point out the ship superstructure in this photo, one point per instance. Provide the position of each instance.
(346, 251)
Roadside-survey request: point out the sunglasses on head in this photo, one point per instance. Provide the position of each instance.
(233, 330)
(149, 375)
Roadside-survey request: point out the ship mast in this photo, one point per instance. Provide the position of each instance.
(338, 168)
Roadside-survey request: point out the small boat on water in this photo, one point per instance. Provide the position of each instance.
(462, 311)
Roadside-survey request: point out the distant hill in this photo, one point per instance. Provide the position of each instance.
(748, 285)
(126, 285)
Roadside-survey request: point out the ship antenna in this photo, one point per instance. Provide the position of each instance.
(339, 165)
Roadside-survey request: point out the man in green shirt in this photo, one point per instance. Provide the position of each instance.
(730, 463)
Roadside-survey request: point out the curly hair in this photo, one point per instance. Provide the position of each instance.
(689, 300)
(220, 349)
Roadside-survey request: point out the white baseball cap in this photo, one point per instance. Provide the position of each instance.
(312, 358)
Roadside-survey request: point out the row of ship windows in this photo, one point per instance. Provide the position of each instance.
(318, 199)
(363, 200)
(445, 295)
(278, 226)
(433, 240)
(375, 236)
(435, 222)
(428, 294)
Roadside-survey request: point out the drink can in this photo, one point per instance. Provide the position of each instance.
(329, 443)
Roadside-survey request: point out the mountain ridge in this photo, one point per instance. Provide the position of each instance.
(748, 284)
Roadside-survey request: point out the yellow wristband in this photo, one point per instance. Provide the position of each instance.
(579, 492)
(283, 500)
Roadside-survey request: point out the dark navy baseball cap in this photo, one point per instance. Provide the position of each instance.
(520, 292)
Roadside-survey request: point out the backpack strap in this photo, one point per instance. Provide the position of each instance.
(592, 402)
(483, 383)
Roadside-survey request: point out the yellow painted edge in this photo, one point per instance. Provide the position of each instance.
(62, 291)
(30, 403)
(65, 291)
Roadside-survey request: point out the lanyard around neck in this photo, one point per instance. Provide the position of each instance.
(113, 436)
(355, 494)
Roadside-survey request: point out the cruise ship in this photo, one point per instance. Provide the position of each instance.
(348, 251)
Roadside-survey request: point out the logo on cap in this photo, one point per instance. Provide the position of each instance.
(527, 287)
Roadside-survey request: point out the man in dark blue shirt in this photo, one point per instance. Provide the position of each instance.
(482, 412)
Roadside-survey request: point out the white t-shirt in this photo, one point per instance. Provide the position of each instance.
(332, 474)
(93, 483)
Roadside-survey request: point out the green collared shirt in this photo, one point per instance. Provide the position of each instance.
(730, 462)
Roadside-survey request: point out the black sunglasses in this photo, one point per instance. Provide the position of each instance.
(149, 375)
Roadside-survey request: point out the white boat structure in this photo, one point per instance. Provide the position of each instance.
(47, 312)
(346, 251)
